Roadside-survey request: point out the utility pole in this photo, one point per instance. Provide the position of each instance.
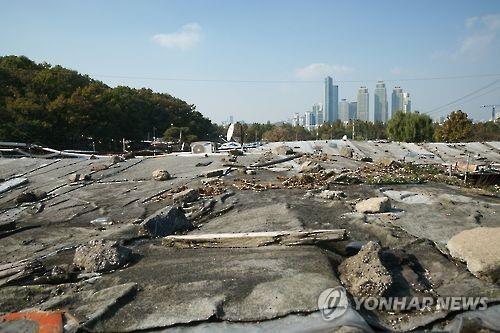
(493, 112)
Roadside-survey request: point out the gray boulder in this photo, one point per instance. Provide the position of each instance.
(101, 256)
(374, 205)
(164, 222)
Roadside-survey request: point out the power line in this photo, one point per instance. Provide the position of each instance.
(463, 97)
(129, 77)
(294, 81)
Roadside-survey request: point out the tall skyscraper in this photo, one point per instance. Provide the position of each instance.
(353, 110)
(363, 104)
(380, 104)
(317, 109)
(344, 110)
(406, 103)
(331, 106)
(397, 100)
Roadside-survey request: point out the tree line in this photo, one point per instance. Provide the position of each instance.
(58, 107)
(407, 127)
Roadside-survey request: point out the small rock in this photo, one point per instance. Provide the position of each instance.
(347, 152)
(387, 161)
(213, 173)
(354, 247)
(186, 196)
(203, 164)
(98, 167)
(116, 159)
(374, 205)
(284, 150)
(251, 172)
(76, 177)
(479, 248)
(31, 196)
(346, 178)
(161, 175)
(330, 195)
(164, 222)
(364, 274)
(101, 256)
(310, 166)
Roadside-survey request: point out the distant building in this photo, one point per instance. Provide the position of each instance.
(397, 100)
(302, 120)
(344, 110)
(317, 109)
(380, 103)
(331, 106)
(353, 110)
(363, 106)
(295, 119)
(406, 103)
(310, 118)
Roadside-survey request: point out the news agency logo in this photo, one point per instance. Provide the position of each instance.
(333, 303)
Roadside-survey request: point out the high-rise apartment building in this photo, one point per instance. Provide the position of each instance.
(397, 100)
(344, 110)
(317, 109)
(363, 107)
(331, 106)
(406, 103)
(380, 103)
(353, 110)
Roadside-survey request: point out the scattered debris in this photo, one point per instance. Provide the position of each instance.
(255, 239)
(12, 183)
(250, 172)
(117, 159)
(479, 248)
(37, 321)
(347, 152)
(203, 164)
(374, 205)
(101, 256)
(284, 150)
(101, 222)
(330, 195)
(31, 196)
(346, 178)
(161, 175)
(18, 270)
(363, 274)
(164, 222)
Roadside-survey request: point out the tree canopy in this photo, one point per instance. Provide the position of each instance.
(410, 127)
(457, 127)
(58, 107)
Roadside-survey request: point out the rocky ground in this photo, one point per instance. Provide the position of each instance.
(84, 238)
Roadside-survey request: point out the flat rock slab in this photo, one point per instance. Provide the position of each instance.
(480, 250)
(409, 197)
(374, 205)
(183, 286)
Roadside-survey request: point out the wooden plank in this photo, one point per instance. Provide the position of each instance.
(255, 239)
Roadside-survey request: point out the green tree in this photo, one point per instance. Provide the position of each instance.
(410, 127)
(456, 128)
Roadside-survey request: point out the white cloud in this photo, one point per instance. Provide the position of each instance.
(481, 33)
(186, 38)
(318, 70)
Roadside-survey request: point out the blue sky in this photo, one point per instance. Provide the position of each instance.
(292, 43)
